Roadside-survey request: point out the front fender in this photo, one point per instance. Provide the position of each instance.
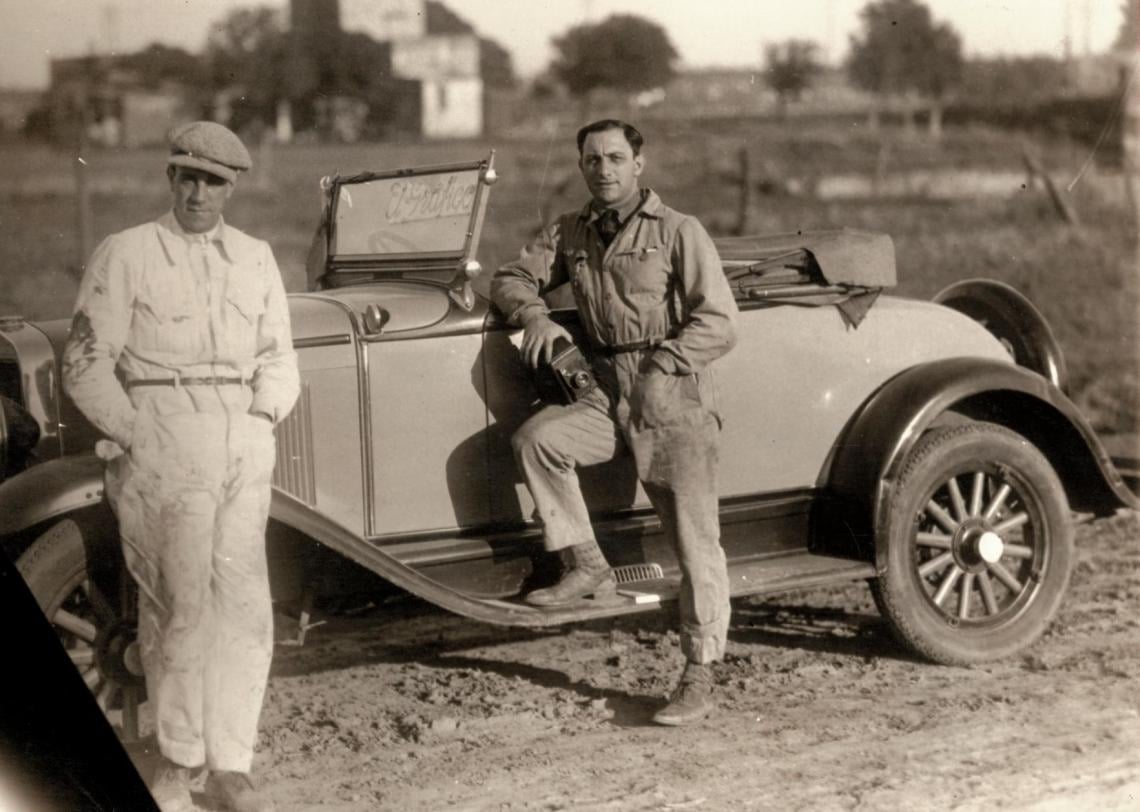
(50, 489)
(870, 453)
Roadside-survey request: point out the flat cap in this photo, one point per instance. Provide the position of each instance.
(209, 146)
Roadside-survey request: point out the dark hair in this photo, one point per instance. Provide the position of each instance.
(628, 130)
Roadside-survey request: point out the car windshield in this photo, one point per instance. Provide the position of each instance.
(408, 214)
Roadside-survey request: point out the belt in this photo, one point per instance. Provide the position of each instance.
(633, 346)
(180, 381)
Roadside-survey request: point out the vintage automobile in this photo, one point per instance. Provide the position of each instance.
(928, 448)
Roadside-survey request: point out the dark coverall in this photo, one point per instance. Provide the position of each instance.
(657, 310)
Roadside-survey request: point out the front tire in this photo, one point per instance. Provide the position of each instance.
(74, 570)
(979, 546)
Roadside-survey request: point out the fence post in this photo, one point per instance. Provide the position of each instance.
(743, 221)
(1064, 208)
(82, 196)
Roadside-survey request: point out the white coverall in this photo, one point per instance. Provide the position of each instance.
(192, 490)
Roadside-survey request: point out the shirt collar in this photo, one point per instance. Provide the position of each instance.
(170, 229)
(647, 205)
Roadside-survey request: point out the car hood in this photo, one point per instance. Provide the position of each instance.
(402, 307)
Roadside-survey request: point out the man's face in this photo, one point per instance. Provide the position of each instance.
(199, 198)
(610, 167)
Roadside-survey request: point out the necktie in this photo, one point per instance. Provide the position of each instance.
(608, 226)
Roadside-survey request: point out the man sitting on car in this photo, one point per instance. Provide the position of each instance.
(657, 310)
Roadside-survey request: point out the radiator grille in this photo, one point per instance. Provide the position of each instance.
(294, 471)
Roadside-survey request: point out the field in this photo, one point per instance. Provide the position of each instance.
(1084, 279)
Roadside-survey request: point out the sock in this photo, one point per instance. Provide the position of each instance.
(589, 556)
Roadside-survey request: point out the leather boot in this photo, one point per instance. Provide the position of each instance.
(575, 584)
(691, 700)
(170, 787)
(236, 792)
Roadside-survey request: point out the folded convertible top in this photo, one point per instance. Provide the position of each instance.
(847, 268)
(845, 257)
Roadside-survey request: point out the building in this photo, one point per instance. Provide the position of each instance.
(114, 103)
(429, 46)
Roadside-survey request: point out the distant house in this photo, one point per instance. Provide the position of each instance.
(116, 105)
(430, 48)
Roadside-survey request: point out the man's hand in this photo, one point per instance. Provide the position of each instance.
(539, 335)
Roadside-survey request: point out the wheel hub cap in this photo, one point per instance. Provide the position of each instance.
(117, 652)
(990, 547)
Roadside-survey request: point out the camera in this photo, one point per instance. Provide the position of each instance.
(567, 377)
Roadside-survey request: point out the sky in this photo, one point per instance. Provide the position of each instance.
(706, 33)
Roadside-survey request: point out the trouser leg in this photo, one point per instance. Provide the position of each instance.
(548, 449)
(175, 612)
(686, 502)
(237, 665)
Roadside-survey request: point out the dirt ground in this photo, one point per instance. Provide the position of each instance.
(406, 708)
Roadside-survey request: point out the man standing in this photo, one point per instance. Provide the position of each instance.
(180, 353)
(657, 310)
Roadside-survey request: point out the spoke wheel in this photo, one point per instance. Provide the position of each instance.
(90, 602)
(979, 546)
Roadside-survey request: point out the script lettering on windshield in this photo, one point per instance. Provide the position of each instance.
(406, 214)
(418, 199)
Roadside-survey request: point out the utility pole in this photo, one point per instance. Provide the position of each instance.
(83, 229)
(110, 28)
(1067, 40)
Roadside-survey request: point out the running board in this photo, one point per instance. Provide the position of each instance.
(753, 577)
(747, 577)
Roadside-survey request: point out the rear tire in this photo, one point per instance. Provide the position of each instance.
(979, 546)
(74, 570)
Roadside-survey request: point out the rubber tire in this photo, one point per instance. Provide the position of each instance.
(57, 561)
(76, 547)
(902, 600)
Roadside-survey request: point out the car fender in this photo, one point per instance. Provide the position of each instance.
(289, 511)
(50, 489)
(874, 445)
(1013, 320)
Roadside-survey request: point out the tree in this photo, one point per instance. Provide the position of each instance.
(900, 50)
(791, 68)
(248, 49)
(158, 63)
(622, 52)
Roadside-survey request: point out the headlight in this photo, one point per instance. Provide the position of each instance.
(19, 434)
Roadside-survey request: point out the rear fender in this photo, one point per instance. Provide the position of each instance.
(1013, 320)
(870, 454)
(50, 489)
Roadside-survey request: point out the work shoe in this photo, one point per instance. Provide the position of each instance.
(692, 698)
(236, 792)
(170, 787)
(576, 584)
